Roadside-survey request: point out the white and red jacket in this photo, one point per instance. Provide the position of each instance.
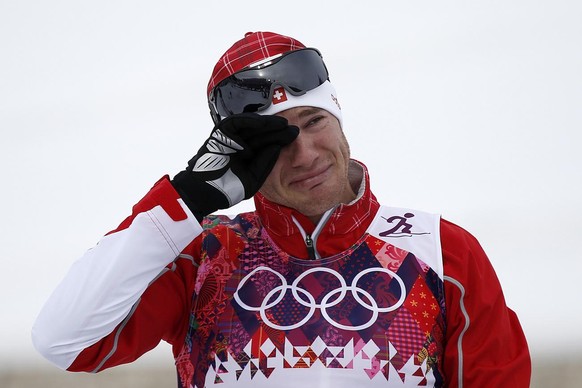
(371, 296)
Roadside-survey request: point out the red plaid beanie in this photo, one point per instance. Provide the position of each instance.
(257, 46)
(254, 47)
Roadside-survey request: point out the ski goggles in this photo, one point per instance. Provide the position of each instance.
(250, 90)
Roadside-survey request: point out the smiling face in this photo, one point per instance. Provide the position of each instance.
(311, 174)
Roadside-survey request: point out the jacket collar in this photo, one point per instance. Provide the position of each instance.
(339, 230)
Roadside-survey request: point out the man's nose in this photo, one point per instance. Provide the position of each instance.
(302, 152)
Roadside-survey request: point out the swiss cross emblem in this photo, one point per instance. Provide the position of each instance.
(279, 95)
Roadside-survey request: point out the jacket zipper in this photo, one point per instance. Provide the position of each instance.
(310, 247)
(310, 239)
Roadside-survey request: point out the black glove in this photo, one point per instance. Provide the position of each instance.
(234, 162)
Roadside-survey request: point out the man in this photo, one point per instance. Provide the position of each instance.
(320, 286)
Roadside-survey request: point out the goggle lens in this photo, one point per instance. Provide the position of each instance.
(250, 90)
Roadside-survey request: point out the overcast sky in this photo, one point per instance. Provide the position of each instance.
(471, 109)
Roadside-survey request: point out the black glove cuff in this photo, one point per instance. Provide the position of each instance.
(201, 198)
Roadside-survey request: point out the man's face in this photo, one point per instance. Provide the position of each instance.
(311, 174)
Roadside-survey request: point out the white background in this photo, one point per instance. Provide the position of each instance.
(471, 109)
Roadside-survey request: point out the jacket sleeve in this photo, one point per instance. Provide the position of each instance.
(485, 344)
(127, 293)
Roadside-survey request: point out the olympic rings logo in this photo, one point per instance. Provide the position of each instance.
(308, 300)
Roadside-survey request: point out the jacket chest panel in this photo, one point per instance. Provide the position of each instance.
(262, 315)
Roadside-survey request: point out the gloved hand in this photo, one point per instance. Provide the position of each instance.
(234, 162)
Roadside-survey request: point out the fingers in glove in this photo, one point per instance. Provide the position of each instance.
(235, 124)
(258, 131)
(281, 138)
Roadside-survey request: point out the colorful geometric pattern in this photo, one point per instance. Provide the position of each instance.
(374, 312)
(405, 335)
(422, 305)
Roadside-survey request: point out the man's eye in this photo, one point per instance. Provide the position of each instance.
(315, 120)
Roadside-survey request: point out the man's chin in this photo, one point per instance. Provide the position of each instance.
(316, 205)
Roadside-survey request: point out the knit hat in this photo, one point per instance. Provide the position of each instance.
(258, 46)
